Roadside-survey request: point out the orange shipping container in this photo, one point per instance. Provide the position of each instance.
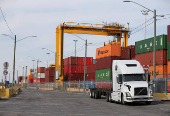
(29, 76)
(160, 70)
(108, 50)
(168, 67)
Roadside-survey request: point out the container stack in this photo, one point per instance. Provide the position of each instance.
(104, 57)
(30, 78)
(128, 52)
(41, 76)
(49, 74)
(74, 68)
(144, 54)
(19, 79)
(91, 72)
(168, 47)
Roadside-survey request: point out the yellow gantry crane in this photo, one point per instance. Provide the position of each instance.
(112, 29)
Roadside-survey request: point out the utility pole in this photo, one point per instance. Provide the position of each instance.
(85, 66)
(37, 74)
(75, 46)
(154, 50)
(47, 59)
(14, 60)
(17, 75)
(55, 71)
(33, 65)
(25, 76)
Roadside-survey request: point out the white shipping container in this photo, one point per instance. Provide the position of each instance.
(41, 75)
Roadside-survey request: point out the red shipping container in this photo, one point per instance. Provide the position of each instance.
(147, 58)
(30, 80)
(19, 79)
(40, 80)
(65, 77)
(35, 80)
(41, 70)
(72, 69)
(49, 79)
(75, 77)
(66, 62)
(66, 70)
(125, 53)
(168, 33)
(106, 62)
(132, 51)
(80, 69)
(49, 73)
(73, 60)
(103, 84)
(91, 68)
(89, 60)
(90, 77)
(51, 69)
(80, 60)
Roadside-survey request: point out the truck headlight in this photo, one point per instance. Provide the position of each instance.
(151, 93)
(128, 94)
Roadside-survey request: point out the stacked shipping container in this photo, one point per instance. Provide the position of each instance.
(50, 74)
(144, 54)
(168, 47)
(74, 68)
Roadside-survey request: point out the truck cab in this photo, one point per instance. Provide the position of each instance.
(129, 83)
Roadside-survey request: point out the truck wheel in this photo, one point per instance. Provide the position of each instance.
(96, 94)
(100, 94)
(122, 100)
(93, 93)
(148, 103)
(107, 97)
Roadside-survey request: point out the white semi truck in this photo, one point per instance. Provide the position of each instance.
(128, 84)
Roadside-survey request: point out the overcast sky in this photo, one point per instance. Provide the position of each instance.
(41, 17)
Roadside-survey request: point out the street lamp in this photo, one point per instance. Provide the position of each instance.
(145, 12)
(47, 59)
(33, 65)
(55, 63)
(15, 50)
(154, 50)
(75, 46)
(84, 61)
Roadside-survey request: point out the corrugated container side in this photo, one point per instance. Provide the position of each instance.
(132, 51)
(168, 68)
(103, 74)
(91, 68)
(66, 61)
(72, 69)
(160, 71)
(51, 68)
(168, 32)
(73, 60)
(40, 80)
(80, 69)
(90, 77)
(125, 53)
(29, 77)
(75, 77)
(41, 70)
(108, 50)
(41, 75)
(66, 69)
(49, 73)
(89, 61)
(49, 79)
(104, 63)
(80, 60)
(147, 58)
(168, 51)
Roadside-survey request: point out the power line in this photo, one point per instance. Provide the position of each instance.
(142, 24)
(5, 21)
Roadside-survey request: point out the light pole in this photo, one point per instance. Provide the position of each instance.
(15, 51)
(47, 59)
(55, 64)
(33, 65)
(84, 61)
(25, 75)
(37, 70)
(75, 46)
(154, 49)
(145, 12)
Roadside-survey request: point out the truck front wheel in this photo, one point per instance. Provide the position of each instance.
(107, 97)
(96, 94)
(122, 100)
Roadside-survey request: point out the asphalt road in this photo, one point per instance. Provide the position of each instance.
(60, 103)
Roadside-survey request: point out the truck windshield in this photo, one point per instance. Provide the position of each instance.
(133, 77)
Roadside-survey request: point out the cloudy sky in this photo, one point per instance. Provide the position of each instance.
(41, 17)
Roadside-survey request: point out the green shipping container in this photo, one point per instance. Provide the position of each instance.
(168, 51)
(94, 61)
(103, 74)
(146, 45)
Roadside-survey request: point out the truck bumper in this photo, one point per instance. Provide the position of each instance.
(139, 99)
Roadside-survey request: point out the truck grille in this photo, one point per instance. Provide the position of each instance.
(141, 91)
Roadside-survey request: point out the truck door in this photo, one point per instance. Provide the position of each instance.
(119, 84)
